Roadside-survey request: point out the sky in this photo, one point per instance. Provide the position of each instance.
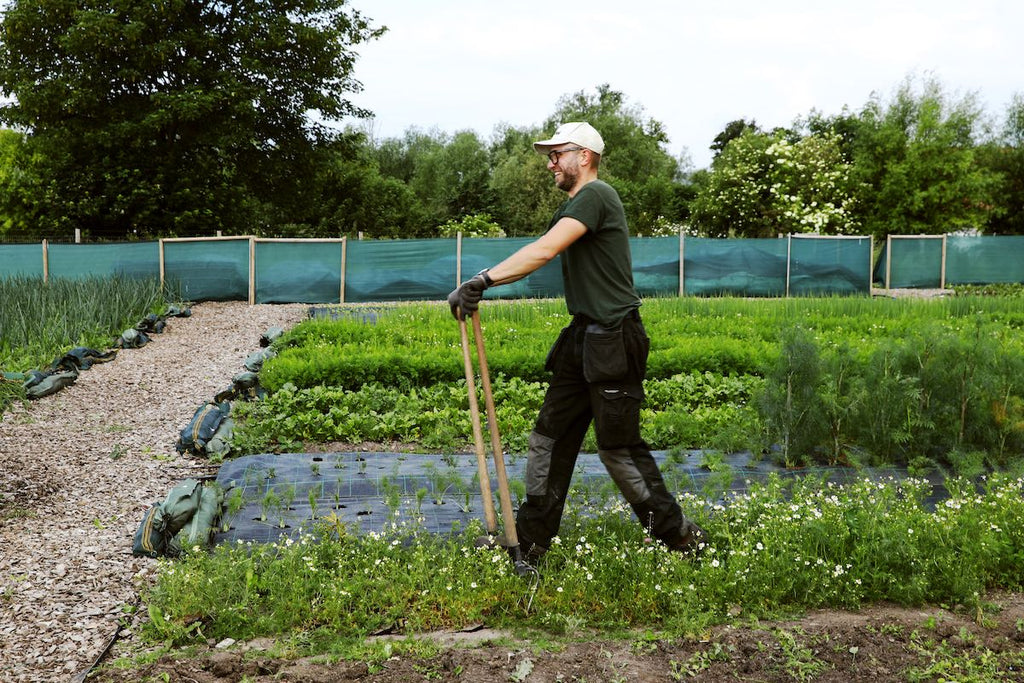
(455, 65)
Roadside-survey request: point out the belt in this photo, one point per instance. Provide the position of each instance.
(582, 320)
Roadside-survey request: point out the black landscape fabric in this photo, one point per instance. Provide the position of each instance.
(268, 496)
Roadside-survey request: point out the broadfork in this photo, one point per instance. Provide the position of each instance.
(511, 542)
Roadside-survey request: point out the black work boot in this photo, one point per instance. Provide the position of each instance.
(692, 540)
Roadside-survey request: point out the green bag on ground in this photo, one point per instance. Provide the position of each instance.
(219, 444)
(82, 358)
(131, 339)
(200, 529)
(254, 361)
(151, 536)
(270, 336)
(163, 521)
(244, 386)
(202, 427)
(41, 384)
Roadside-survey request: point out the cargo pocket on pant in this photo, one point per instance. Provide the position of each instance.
(604, 354)
(617, 417)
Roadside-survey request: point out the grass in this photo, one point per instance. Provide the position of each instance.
(41, 320)
(781, 547)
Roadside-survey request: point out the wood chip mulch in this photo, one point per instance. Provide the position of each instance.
(78, 470)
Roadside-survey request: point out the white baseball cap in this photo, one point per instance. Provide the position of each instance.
(575, 132)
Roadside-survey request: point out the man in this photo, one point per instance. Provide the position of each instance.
(598, 362)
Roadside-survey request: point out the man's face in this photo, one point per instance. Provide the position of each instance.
(564, 162)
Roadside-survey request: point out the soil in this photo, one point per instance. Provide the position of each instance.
(881, 643)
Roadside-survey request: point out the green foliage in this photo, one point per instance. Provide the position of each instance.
(352, 196)
(782, 546)
(158, 118)
(791, 404)
(858, 381)
(40, 320)
(15, 202)
(417, 345)
(945, 393)
(477, 225)
(1004, 156)
(524, 191)
(687, 411)
(915, 158)
(447, 175)
(763, 185)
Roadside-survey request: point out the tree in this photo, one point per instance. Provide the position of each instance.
(449, 175)
(451, 179)
(525, 196)
(1004, 156)
(764, 185)
(15, 209)
(915, 159)
(732, 130)
(178, 116)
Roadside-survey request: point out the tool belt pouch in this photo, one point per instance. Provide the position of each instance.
(552, 362)
(604, 354)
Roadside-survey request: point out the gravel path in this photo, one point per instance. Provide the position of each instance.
(78, 470)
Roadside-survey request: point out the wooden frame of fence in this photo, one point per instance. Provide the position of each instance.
(871, 252)
(253, 241)
(888, 256)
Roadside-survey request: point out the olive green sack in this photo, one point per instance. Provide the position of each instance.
(155, 537)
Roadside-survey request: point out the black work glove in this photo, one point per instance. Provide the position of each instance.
(465, 299)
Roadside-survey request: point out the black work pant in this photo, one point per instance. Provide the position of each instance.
(597, 375)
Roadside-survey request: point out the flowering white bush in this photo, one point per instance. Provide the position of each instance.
(766, 185)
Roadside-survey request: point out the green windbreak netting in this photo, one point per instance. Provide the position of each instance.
(129, 259)
(298, 272)
(208, 270)
(981, 260)
(399, 270)
(24, 260)
(748, 267)
(912, 262)
(484, 252)
(830, 265)
(655, 265)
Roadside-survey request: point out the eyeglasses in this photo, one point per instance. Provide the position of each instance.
(554, 154)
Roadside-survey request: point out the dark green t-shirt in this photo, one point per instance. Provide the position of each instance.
(597, 268)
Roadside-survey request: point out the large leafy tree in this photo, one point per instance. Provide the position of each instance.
(523, 188)
(916, 161)
(1004, 156)
(174, 116)
(448, 175)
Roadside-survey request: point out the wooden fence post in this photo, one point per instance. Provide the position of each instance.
(344, 257)
(458, 258)
(789, 260)
(888, 260)
(682, 269)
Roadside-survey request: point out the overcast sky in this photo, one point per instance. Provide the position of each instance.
(460, 65)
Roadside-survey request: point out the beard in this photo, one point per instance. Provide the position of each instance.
(568, 179)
